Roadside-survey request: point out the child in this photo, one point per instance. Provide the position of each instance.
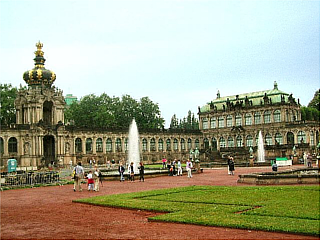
(90, 181)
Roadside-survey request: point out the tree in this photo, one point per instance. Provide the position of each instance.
(315, 102)
(188, 123)
(7, 96)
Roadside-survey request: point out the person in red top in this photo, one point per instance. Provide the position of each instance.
(90, 181)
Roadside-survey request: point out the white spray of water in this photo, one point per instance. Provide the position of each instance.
(261, 157)
(133, 144)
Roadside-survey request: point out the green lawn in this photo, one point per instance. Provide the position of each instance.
(293, 209)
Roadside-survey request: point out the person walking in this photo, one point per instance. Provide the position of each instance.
(78, 175)
(189, 168)
(164, 161)
(131, 172)
(96, 178)
(179, 168)
(121, 172)
(231, 165)
(141, 171)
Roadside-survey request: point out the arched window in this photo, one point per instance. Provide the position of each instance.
(239, 141)
(78, 145)
(311, 138)
(189, 143)
(160, 145)
(301, 137)
(13, 145)
(109, 145)
(277, 116)
(205, 123)
(168, 144)
(197, 143)
(230, 142)
(144, 145)
(126, 145)
(267, 116)
(183, 144)
(238, 120)
(222, 142)
(221, 122)
(268, 139)
(214, 144)
(99, 145)
(229, 121)
(1, 146)
(206, 143)
(175, 144)
(88, 145)
(278, 139)
(118, 145)
(152, 144)
(249, 141)
(290, 138)
(248, 119)
(257, 118)
(213, 122)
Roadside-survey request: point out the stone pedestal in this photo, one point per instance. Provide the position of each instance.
(295, 160)
(251, 161)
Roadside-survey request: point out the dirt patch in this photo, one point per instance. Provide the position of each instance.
(49, 213)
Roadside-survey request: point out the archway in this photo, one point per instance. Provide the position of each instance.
(48, 150)
(290, 138)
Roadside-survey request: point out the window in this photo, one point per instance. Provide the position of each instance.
(160, 145)
(88, 145)
(238, 120)
(183, 144)
(206, 143)
(144, 145)
(99, 145)
(229, 121)
(301, 137)
(257, 118)
(13, 145)
(230, 142)
(197, 143)
(126, 145)
(213, 122)
(267, 116)
(189, 143)
(278, 139)
(168, 145)
(268, 139)
(175, 145)
(204, 123)
(248, 119)
(311, 138)
(277, 116)
(214, 143)
(1, 146)
(118, 145)
(78, 145)
(109, 145)
(239, 141)
(152, 144)
(249, 141)
(221, 122)
(222, 142)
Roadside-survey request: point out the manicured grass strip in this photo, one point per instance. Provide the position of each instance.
(292, 209)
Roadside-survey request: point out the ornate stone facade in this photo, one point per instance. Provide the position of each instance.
(40, 136)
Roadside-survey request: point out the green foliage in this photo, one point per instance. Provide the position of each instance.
(7, 96)
(112, 112)
(189, 122)
(275, 208)
(315, 102)
(309, 114)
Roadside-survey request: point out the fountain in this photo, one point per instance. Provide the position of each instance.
(260, 148)
(133, 143)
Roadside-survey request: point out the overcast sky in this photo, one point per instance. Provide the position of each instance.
(178, 52)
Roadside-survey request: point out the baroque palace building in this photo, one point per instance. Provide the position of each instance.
(232, 124)
(40, 136)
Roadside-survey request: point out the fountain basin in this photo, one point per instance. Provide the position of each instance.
(295, 176)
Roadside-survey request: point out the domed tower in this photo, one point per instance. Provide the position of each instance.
(41, 102)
